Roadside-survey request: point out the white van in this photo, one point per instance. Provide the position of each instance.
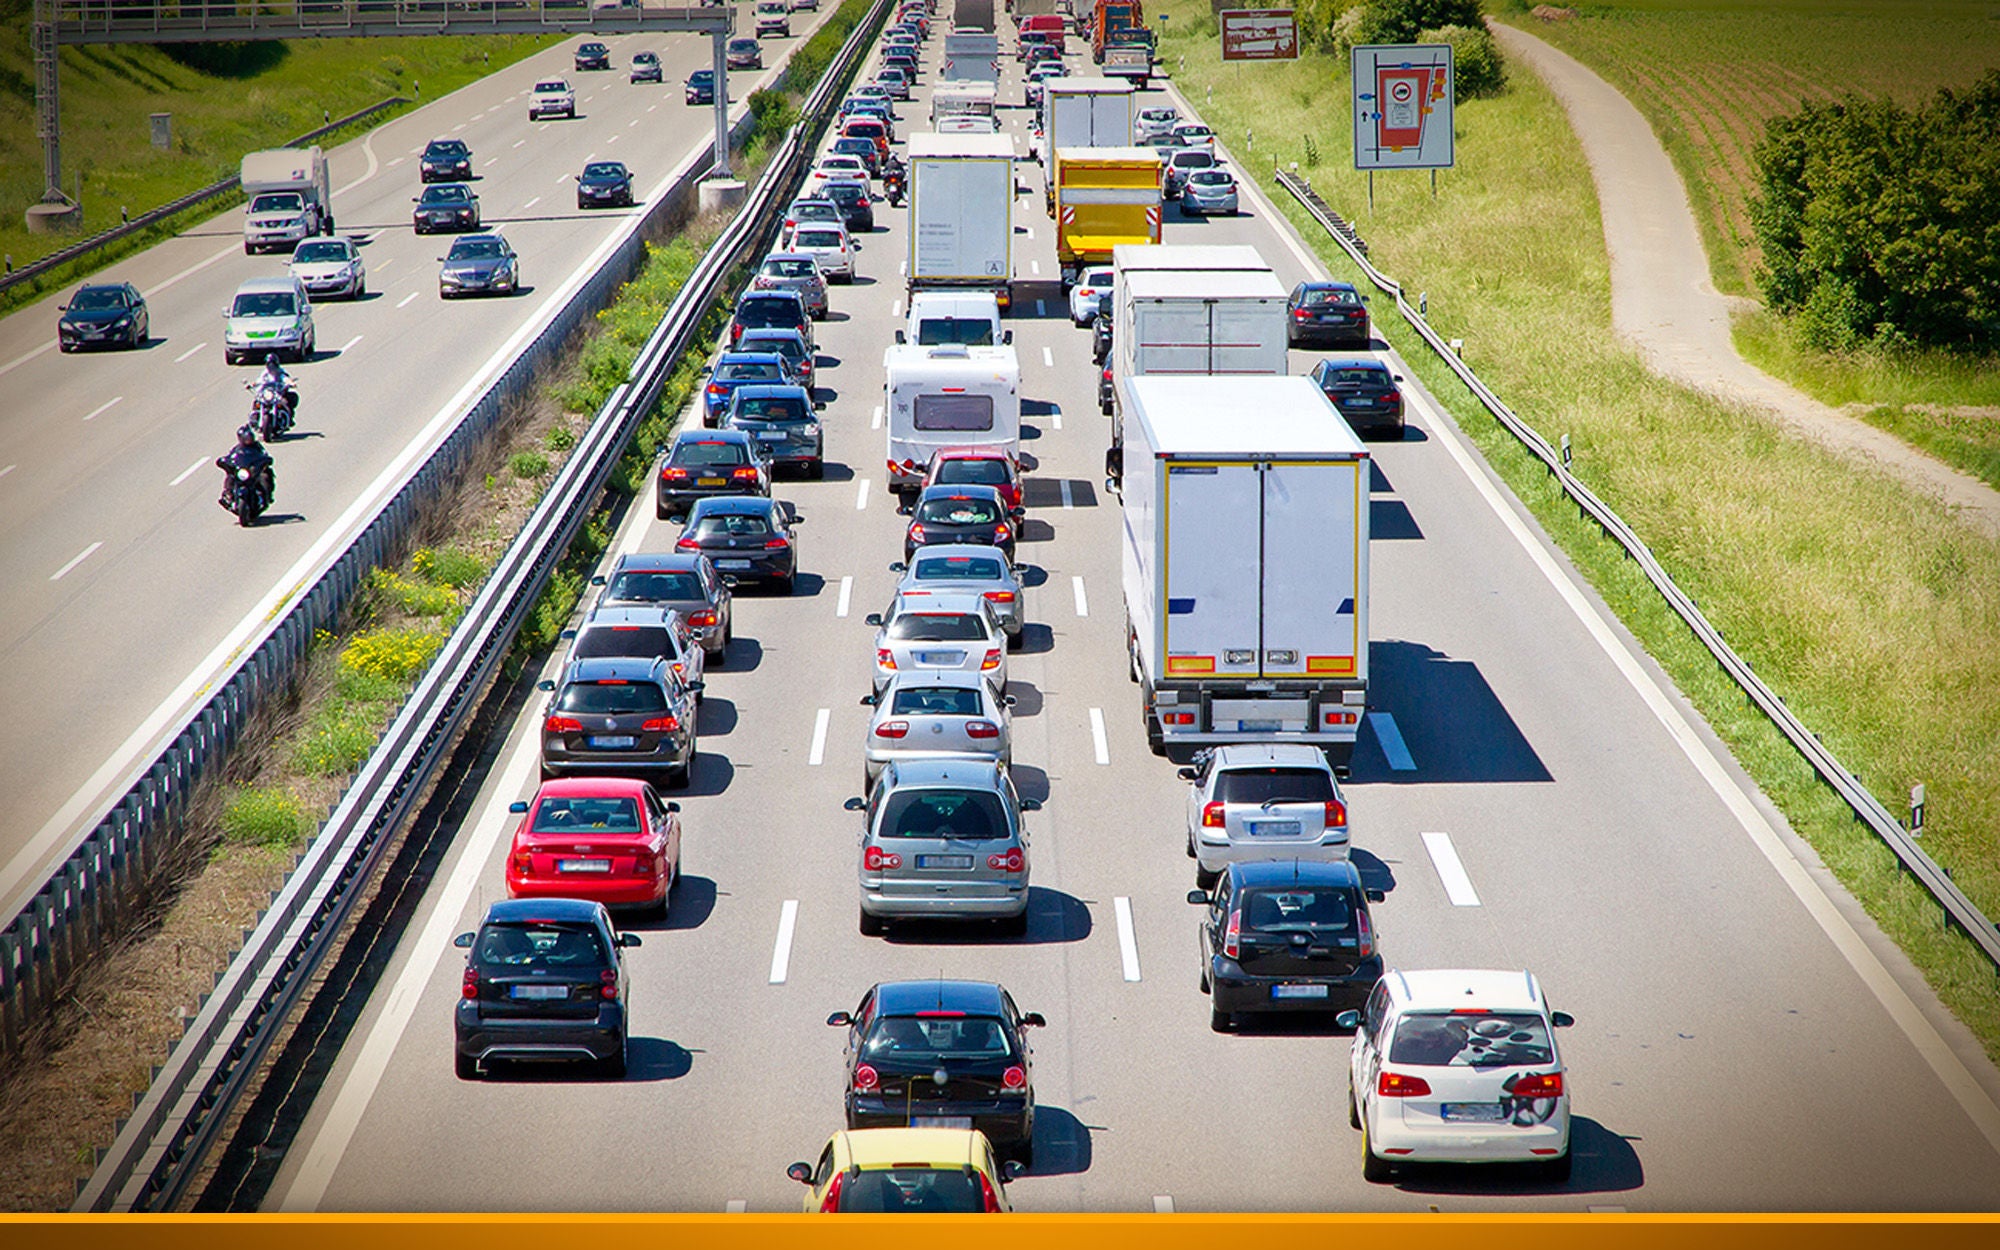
(949, 395)
(968, 318)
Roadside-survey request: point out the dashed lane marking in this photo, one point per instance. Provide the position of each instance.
(105, 407)
(80, 557)
(846, 592)
(1444, 857)
(875, 418)
(781, 954)
(186, 473)
(1082, 600)
(1098, 743)
(861, 494)
(1391, 739)
(735, 1206)
(345, 347)
(531, 203)
(817, 755)
(189, 352)
(1041, 308)
(1068, 499)
(1128, 942)
(1048, 358)
(1163, 1204)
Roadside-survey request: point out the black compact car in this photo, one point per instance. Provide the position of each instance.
(619, 717)
(855, 209)
(544, 980)
(770, 310)
(104, 314)
(932, 1052)
(748, 539)
(446, 206)
(702, 463)
(699, 87)
(1366, 394)
(604, 184)
(445, 160)
(1283, 935)
(961, 513)
(1320, 313)
(592, 55)
(645, 67)
(1100, 328)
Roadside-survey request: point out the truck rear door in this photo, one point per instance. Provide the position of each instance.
(1312, 538)
(1214, 522)
(1245, 337)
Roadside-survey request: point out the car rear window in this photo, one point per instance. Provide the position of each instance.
(1280, 785)
(937, 627)
(971, 331)
(959, 568)
(549, 944)
(710, 453)
(607, 815)
(1210, 178)
(818, 238)
(952, 511)
(937, 1037)
(968, 815)
(1332, 297)
(730, 525)
(1357, 376)
(801, 268)
(756, 314)
(1295, 910)
(973, 472)
(754, 371)
(614, 641)
(954, 412)
(611, 698)
(937, 701)
(843, 193)
(651, 587)
(1485, 1040)
(773, 408)
(912, 1189)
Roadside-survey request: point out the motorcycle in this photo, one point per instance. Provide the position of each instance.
(892, 187)
(243, 495)
(271, 409)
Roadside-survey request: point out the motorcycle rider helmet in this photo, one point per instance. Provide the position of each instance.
(270, 358)
(246, 435)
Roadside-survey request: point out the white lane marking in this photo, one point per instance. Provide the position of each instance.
(817, 755)
(1041, 308)
(781, 954)
(197, 267)
(861, 494)
(1391, 739)
(735, 1206)
(903, 268)
(189, 352)
(562, 178)
(385, 264)
(1068, 500)
(1098, 743)
(1457, 885)
(104, 407)
(531, 203)
(896, 309)
(1082, 600)
(846, 592)
(651, 107)
(613, 139)
(186, 473)
(1163, 1204)
(1035, 266)
(519, 142)
(374, 167)
(632, 123)
(81, 556)
(1030, 230)
(1055, 416)
(25, 357)
(10, 468)
(875, 418)
(399, 160)
(406, 299)
(457, 128)
(349, 343)
(1048, 358)
(1128, 942)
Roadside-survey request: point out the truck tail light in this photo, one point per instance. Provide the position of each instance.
(1232, 937)
(1536, 1085)
(981, 729)
(1396, 1085)
(1012, 861)
(562, 725)
(1211, 816)
(892, 729)
(875, 859)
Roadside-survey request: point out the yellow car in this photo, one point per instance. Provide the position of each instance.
(906, 1169)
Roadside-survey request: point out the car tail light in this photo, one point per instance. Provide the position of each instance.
(763, 283)
(607, 983)
(866, 1078)
(1232, 937)
(1396, 1085)
(686, 544)
(1000, 596)
(981, 729)
(1015, 1077)
(989, 1200)
(1107, 373)
(673, 475)
(644, 865)
(917, 533)
(885, 658)
(1536, 1085)
(1211, 816)
(735, 331)
(1001, 534)
(832, 1200)
(524, 863)
(1300, 313)
(469, 987)
(717, 388)
(892, 729)
(703, 620)
(745, 474)
(661, 725)
(562, 725)
(1012, 861)
(1336, 814)
(992, 660)
(875, 859)
(1366, 947)
(777, 544)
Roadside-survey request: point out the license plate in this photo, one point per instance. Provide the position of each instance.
(770, 438)
(612, 742)
(940, 1121)
(539, 992)
(1257, 726)
(583, 865)
(1298, 991)
(944, 861)
(1481, 1112)
(1272, 828)
(732, 564)
(1361, 401)
(709, 481)
(940, 657)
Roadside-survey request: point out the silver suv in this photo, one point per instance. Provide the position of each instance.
(942, 839)
(1260, 800)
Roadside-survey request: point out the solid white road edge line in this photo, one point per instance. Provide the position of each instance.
(1128, 942)
(1451, 872)
(80, 557)
(846, 592)
(781, 954)
(1082, 602)
(104, 407)
(818, 752)
(1390, 739)
(1097, 739)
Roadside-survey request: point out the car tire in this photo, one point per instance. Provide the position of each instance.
(1555, 1171)
(872, 926)
(1190, 844)
(613, 1067)
(465, 1066)
(1205, 879)
(1204, 979)
(787, 584)
(816, 470)
(1220, 1020)
(1374, 1169)
(1023, 1153)
(1353, 1112)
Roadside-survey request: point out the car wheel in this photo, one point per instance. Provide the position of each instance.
(1190, 844)
(1556, 1171)
(613, 1068)
(1353, 1112)
(816, 470)
(872, 926)
(1204, 978)
(466, 1067)
(1374, 1169)
(786, 584)
(1204, 879)
(1220, 1020)
(580, 203)
(1023, 1153)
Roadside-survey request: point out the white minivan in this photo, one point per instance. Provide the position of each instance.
(949, 395)
(968, 318)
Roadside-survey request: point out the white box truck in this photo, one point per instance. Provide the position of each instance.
(1082, 113)
(970, 56)
(962, 214)
(288, 197)
(949, 395)
(1245, 564)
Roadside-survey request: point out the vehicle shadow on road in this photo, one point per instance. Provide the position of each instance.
(805, 585)
(1027, 699)
(1036, 531)
(1290, 1024)
(277, 518)
(1390, 520)
(1031, 782)
(1601, 1162)
(1378, 480)
(1062, 1143)
(1053, 917)
(692, 903)
(1055, 304)
(710, 775)
(836, 471)
(743, 656)
(1036, 640)
(1455, 727)
(716, 718)
(1375, 873)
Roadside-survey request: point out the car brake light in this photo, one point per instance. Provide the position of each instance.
(1300, 313)
(686, 544)
(1211, 816)
(981, 729)
(1015, 1077)
(892, 729)
(1001, 534)
(1012, 861)
(524, 863)
(1000, 596)
(469, 987)
(1107, 373)
(1536, 1085)
(1366, 946)
(1232, 937)
(745, 474)
(866, 1078)
(716, 388)
(777, 544)
(562, 725)
(917, 532)
(875, 859)
(992, 660)
(989, 1200)
(607, 983)
(661, 725)
(1396, 1085)
(702, 620)
(832, 1200)
(673, 475)
(884, 658)
(1336, 814)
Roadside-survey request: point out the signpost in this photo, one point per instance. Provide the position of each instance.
(1259, 35)
(1402, 109)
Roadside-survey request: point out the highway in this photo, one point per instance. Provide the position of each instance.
(121, 574)
(1745, 1040)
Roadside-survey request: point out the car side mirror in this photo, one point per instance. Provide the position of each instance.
(897, 566)
(1397, 376)
(577, 177)
(518, 807)
(1376, 896)
(1198, 897)
(1013, 1170)
(1188, 774)
(463, 941)
(1561, 1019)
(673, 807)
(840, 1020)
(696, 687)
(855, 804)
(873, 618)
(901, 337)
(1008, 700)
(1034, 1020)
(819, 405)
(1017, 513)
(1031, 805)
(629, 939)
(545, 685)
(568, 635)
(800, 1172)
(1006, 338)
(597, 581)
(902, 509)
(1347, 1020)
(867, 700)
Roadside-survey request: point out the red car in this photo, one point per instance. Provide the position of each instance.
(977, 466)
(611, 840)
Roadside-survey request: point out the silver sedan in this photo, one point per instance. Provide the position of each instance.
(952, 633)
(1209, 191)
(928, 715)
(968, 569)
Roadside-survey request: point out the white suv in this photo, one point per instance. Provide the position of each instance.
(1262, 800)
(1457, 1066)
(774, 17)
(552, 98)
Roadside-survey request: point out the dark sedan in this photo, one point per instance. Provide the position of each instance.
(445, 160)
(942, 1053)
(624, 717)
(687, 583)
(702, 463)
(544, 980)
(593, 55)
(103, 314)
(770, 310)
(1281, 935)
(744, 53)
(747, 539)
(961, 513)
(785, 422)
(479, 264)
(855, 209)
(1320, 313)
(446, 206)
(1365, 392)
(699, 87)
(604, 184)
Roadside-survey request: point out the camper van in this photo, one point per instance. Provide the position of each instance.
(947, 395)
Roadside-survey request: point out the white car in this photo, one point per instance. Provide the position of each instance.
(774, 17)
(1153, 122)
(552, 98)
(827, 243)
(1262, 800)
(955, 633)
(330, 267)
(1456, 1066)
(836, 165)
(1091, 283)
(1194, 135)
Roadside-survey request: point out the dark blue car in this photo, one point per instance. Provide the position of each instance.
(544, 980)
(733, 370)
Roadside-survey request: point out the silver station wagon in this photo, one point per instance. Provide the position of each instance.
(942, 840)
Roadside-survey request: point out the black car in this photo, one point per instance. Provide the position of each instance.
(604, 184)
(446, 206)
(544, 980)
(593, 55)
(102, 314)
(646, 67)
(1326, 312)
(961, 513)
(1282, 935)
(1100, 328)
(906, 59)
(784, 419)
(700, 87)
(746, 539)
(445, 160)
(770, 310)
(852, 200)
(1365, 392)
(479, 264)
(686, 583)
(620, 718)
(932, 1051)
(702, 463)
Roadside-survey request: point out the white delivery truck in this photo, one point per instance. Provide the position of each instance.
(1245, 564)
(970, 56)
(1082, 113)
(962, 214)
(288, 198)
(949, 395)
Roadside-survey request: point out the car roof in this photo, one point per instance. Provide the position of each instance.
(751, 296)
(962, 772)
(591, 787)
(940, 602)
(520, 909)
(1323, 284)
(772, 390)
(748, 358)
(968, 551)
(635, 614)
(257, 286)
(1265, 754)
(724, 435)
(1267, 872)
(932, 678)
(612, 668)
(908, 997)
(1447, 988)
(961, 490)
(790, 334)
(731, 505)
(887, 1147)
(658, 562)
(484, 236)
(771, 256)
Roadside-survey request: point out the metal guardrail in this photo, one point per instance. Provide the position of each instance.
(1958, 908)
(214, 190)
(160, 1147)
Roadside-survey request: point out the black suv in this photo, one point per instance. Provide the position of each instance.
(771, 310)
(1286, 935)
(445, 160)
(852, 200)
(544, 979)
(710, 462)
(592, 55)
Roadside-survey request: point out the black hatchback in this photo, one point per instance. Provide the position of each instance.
(944, 1054)
(702, 463)
(1365, 393)
(961, 513)
(746, 539)
(1282, 935)
(544, 980)
(855, 209)
(1326, 312)
(606, 184)
(770, 310)
(445, 160)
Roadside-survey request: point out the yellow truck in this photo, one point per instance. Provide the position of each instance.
(1104, 197)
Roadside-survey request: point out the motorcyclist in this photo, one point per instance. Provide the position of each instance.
(248, 454)
(275, 378)
(893, 177)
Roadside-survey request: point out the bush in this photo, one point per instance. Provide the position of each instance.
(396, 654)
(1400, 21)
(1475, 59)
(560, 438)
(263, 816)
(415, 598)
(364, 686)
(342, 735)
(528, 465)
(450, 566)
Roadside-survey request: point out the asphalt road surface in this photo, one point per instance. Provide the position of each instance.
(1743, 1041)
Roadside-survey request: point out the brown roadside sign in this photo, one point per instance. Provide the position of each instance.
(1259, 35)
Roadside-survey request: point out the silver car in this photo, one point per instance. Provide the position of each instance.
(648, 632)
(685, 581)
(983, 571)
(954, 633)
(928, 715)
(829, 245)
(268, 315)
(794, 271)
(330, 267)
(1209, 191)
(1261, 800)
(942, 839)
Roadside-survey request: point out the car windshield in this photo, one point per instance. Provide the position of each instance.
(756, 314)
(818, 239)
(653, 587)
(606, 815)
(319, 250)
(937, 627)
(611, 697)
(447, 193)
(958, 568)
(971, 331)
(912, 1189)
(1482, 1040)
(445, 148)
(1357, 375)
(279, 202)
(772, 408)
(263, 304)
(618, 641)
(730, 525)
(1274, 785)
(937, 1036)
(937, 701)
(954, 412)
(1297, 910)
(710, 453)
(802, 267)
(1331, 296)
(551, 86)
(958, 511)
(644, 58)
(742, 45)
(969, 815)
(476, 249)
(604, 169)
(551, 944)
(978, 472)
(98, 299)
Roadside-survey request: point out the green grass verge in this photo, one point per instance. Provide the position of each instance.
(1870, 611)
